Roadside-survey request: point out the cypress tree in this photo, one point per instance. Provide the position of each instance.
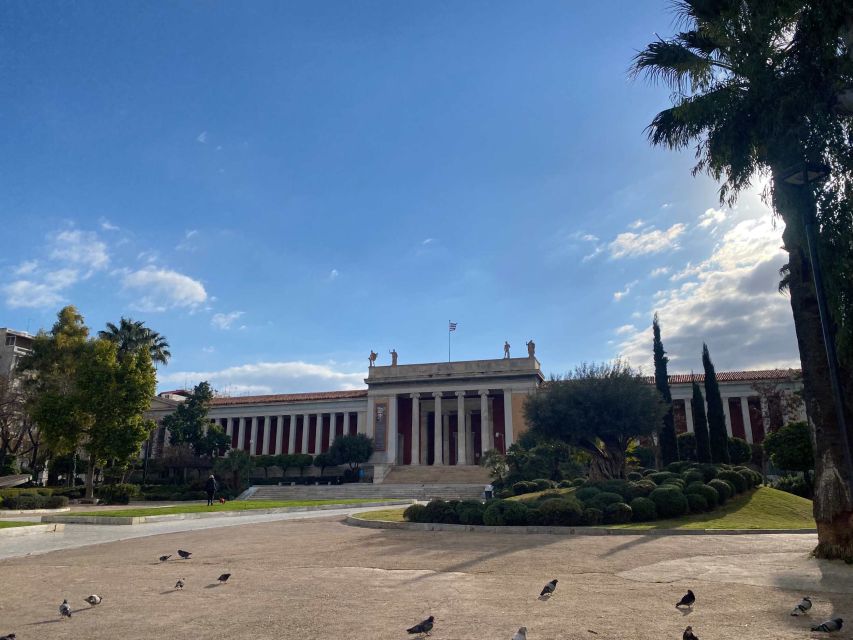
(666, 435)
(700, 426)
(717, 434)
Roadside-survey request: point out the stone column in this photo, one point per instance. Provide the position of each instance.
(424, 434)
(279, 435)
(265, 446)
(306, 424)
(487, 434)
(416, 429)
(333, 418)
(291, 435)
(241, 430)
(438, 437)
(461, 439)
(229, 430)
(256, 434)
(346, 423)
(318, 435)
(392, 430)
(509, 434)
(688, 414)
(728, 416)
(747, 423)
(370, 420)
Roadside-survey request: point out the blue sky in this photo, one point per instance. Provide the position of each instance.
(279, 187)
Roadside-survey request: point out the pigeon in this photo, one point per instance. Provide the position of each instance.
(224, 578)
(164, 558)
(803, 607)
(179, 584)
(687, 600)
(521, 634)
(94, 599)
(184, 554)
(829, 625)
(65, 609)
(688, 634)
(8, 636)
(548, 589)
(423, 627)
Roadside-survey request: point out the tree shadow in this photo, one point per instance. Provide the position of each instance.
(638, 540)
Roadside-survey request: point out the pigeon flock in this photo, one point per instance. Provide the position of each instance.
(425, 627)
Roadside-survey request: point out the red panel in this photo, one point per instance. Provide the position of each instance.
(247, 433)
(273, 434)
(300, 427)
(679, 416)
(452, 435)
(235, 423)
(353, 424)
(339, 426)
(430, 435)
(259, 438)
(498, 423)
(756, 419)
(737, 418)
(327, 429)
(312, 433)
(404, 427)
(477, 435)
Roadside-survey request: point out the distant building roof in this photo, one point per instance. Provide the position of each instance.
(175, 392)
(289, 397)
(734, 376)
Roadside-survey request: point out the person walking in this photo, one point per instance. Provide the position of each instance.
(210, 488)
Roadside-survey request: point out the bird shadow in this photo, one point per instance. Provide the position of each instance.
(685, 612)
(163, 593)
(213, 585)
(32, 624)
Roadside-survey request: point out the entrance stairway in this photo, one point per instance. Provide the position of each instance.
(410, 482)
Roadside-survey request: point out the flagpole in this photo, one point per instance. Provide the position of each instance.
(448, 340)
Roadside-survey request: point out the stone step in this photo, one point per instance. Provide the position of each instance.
(369, 491)
(425, 474)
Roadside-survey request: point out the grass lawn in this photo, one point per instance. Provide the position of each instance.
(764, 508)
(4, 524)
(242, 505)
(536, 494)
(385, 515)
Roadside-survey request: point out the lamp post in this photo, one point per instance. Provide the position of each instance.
(803, 175)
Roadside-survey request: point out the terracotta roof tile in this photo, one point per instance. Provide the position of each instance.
(289, 397)
(734, 376)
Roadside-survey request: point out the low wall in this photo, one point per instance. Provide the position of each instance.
(14, 532)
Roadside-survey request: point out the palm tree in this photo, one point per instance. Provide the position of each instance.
(755, 87)
(131, 335)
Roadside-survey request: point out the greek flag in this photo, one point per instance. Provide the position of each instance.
(452, 326)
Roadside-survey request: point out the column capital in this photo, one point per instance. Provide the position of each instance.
(415, 396)
(460, 394)
(437, 394)
(483, 392)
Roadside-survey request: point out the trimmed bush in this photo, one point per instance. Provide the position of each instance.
(723, 489)
(585, 494)
(677, 467)
(557, 512)
(118, 493)
(735, 479)
(709, 471)
(505, 493)
(617, 486)
(578, 482)
(470, 512)
(697, 503)
(55, 502)
(440, 511)
(640, 489)
(592, 517)
(675, 482)
(648, 472)
(660, 476)
(565, 484)
(542, 484)
(634, 476)
(669, 501)
(693, 475)
(794, 484)
(603, 499)
(739, 450)
(643, 510)
(24, 501)
(524, 486)
(617, 513)
(709, 493)
(505, 513)
(415, 513)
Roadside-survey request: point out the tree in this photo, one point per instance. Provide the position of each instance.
(790, 448)
(739, 450)
(700, 425)
(666, 435)
(302, 461)
(322, 461)
(235, 466)
(495, 462)
(83, 394)
(131, 335)
(18, 435)
(598, 408)
(352, 450)
(760, 87)
(687, 446)
(717, 433)
(189, 425)
(284, 461)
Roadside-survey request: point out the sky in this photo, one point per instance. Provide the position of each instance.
(280, 187)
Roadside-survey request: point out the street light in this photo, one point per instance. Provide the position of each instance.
(803, 175)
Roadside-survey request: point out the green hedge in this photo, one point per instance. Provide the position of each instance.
(723, 489)
(506, 513)
(669, 501)
(735, 479)
(643, 510)
(617, 513)
(558, 512)
(34, 501)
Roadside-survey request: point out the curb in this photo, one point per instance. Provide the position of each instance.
(563, 531)
(14, 532)
(174, 517)
(31, 512)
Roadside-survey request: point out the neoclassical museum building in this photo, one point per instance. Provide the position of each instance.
(446, 413)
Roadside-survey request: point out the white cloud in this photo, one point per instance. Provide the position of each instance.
(29, 294)
(202, 137)
(730, 301)
(161, 289)
(106, 225)
(26, 267)
(618, 295)
(630, 244)
(190, 233)
(225, 320)
(427, 241)
(148, 256)
(588, 237)
(333, 274)
(660, 271)
(209, 349)
(624, 329)
(639, 222)
(592, 255)
(272, 377)
(80, 248)
(711, 217)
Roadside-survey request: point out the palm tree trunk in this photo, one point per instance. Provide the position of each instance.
(833, 502)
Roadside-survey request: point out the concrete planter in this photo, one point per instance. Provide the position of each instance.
(14, 532)
(173, 517)
(562, 531)
(5, 513)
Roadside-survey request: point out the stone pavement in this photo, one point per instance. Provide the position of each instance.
(317, 578)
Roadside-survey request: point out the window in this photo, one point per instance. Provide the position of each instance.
(10, 341)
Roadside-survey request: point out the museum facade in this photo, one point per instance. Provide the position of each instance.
(447, 413)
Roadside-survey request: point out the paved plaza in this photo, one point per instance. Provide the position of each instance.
(306, 577)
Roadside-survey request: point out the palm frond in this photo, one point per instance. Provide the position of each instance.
(678, 126)
(673, 64)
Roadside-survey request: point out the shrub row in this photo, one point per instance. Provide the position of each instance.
(34, 501)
